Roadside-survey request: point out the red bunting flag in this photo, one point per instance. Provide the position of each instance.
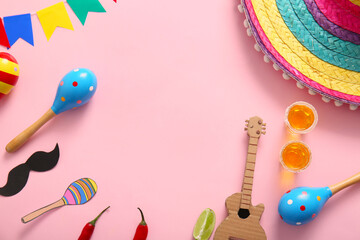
(3, 37)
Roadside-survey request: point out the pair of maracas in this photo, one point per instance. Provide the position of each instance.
(74, 90)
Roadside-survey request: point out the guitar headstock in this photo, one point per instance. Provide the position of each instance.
(255, 126)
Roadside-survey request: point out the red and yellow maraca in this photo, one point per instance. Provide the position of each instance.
(9, 73)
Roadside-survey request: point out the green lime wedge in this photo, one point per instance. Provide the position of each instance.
(204, 225)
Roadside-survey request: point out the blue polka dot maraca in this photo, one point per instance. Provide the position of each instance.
(302, 205)
(75, 89)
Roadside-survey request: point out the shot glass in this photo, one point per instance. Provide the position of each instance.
(301, 117)
(295, 156)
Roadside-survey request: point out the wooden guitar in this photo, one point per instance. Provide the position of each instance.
(243, 218)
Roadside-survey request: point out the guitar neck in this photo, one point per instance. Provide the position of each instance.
(249, 173)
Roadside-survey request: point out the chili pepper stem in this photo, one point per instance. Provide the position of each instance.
(142, 218)
(94, 221)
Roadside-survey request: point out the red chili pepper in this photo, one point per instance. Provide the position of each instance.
(142, 229)
(89, 227)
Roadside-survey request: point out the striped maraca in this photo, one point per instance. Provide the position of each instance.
(79, 192)
(9, 73)
(74, 90)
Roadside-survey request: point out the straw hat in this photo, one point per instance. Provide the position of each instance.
(316, 42)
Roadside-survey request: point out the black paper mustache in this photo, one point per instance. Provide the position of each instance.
(18, 176)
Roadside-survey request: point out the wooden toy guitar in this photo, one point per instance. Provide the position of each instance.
(243, 219)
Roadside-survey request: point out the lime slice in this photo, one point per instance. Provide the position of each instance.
(204, 225)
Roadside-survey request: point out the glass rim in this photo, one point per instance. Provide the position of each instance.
(312, 125)
(282, 161)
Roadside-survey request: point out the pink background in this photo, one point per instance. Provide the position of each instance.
(165, 129)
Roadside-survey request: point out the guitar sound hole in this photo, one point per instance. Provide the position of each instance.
(243, 213)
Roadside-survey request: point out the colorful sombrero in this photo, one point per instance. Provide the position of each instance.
(316, 42)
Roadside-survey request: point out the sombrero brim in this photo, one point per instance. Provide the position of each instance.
(329, 26)
(356, 2)
(284, 34)
(348, 6)
(338, 15)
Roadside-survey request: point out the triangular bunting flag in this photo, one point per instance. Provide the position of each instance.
(82, 7)
(19, 26)
(54, 16)
(3, 38)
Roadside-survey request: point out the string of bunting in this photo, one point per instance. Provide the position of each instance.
(20, 26)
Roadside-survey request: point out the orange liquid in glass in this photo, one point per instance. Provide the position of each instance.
(296, 156)
(301, 117)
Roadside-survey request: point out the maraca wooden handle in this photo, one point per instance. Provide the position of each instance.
(346, 183)
(20, 139)
(37, 213)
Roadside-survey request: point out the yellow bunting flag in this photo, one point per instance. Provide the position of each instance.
(54, 16)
